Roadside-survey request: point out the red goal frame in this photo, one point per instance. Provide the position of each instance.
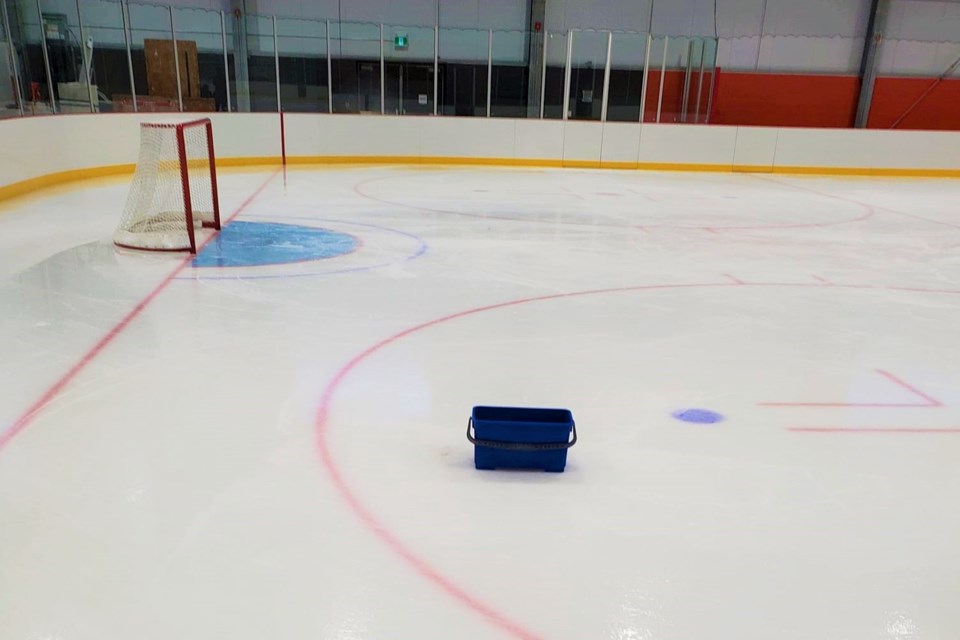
(180, 128)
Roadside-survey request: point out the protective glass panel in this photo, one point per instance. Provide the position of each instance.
(69, 54)
(626, 76)
(463, 72)
(586, 74)
(556, 48)
(674, 80)
(510, 87)
(150, 37)
(701, 84)
(304, 84)
(39, 93)
(408, 61)
(355, 48)
(106, 46)
(200, 48)
(11, 92)
(261, 64)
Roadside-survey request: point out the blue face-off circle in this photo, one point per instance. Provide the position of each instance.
(253, 244)
(698, 416)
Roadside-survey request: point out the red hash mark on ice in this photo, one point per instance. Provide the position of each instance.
(873, 430)
(923, 400)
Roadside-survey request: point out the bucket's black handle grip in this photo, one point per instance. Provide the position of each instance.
(521, 446)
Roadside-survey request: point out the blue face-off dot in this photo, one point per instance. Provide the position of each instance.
(698, 416)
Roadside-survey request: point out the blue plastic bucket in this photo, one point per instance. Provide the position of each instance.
(521, 437)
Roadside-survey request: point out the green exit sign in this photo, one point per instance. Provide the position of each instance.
(400, 41)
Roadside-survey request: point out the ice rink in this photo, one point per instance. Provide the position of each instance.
(272, 446)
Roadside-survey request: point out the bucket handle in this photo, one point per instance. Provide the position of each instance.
(521, 446)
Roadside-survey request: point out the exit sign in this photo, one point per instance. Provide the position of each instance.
(400, 41)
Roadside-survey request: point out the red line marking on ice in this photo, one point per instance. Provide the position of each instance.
(916, 217)
(928, 401)
(872, 430)
(28, 416)
(378, 529)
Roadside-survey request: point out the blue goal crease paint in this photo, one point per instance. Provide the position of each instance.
(249, 244)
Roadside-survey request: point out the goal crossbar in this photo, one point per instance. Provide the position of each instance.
(174, 189)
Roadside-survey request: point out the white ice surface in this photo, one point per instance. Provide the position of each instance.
(178, 488)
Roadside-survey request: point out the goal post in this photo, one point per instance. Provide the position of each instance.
(174, 188)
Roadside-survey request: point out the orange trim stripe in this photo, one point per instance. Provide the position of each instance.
(52, 179)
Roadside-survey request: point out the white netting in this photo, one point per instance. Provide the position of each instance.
(155, 216)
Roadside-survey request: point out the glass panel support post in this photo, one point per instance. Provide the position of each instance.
(176, 60)
(489, 69)
(46, 59)
(383, 83)
(543, 74)
(566, 75)
(13, 56)
(663, 76)
(87, 57)
(125, 14)
(276, 63)
(436, 65)
(606, 79)
(646, 77)
(703, 62)
(687, 76)
(226, 60)
(329, 72)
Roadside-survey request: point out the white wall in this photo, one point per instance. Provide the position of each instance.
(53, 144)
(921, 37)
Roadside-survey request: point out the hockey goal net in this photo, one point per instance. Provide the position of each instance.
(174, 189)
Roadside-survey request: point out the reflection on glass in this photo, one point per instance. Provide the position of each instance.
(10, 98)
(586, 74)
(304, 85)
(683, 93)
(200, 49)
(463, 72)
(68, 56)
(510, 88)
(626, 76)
(355, 48)
(239, 87)
(338, 67)
(103, 33)
(674, 79)
(701, 89)
(261, 64)
(156, 91)
(553, 79)
(25, 33)
(408, 62)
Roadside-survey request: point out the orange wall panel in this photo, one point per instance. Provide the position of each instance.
(893, 97)
(785, 100)
(672, 96)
